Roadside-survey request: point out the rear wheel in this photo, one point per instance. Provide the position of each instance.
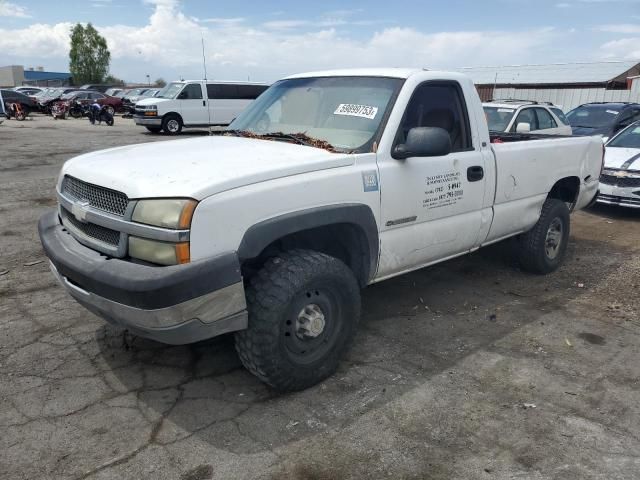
(172, 124)
(542, 249)
(303, 307)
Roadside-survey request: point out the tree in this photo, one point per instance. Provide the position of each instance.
(160, 82)
(89, 55)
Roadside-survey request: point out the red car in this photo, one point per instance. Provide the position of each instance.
(113, 104)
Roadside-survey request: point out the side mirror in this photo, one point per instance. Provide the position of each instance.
(182, 96)
(424, 142)
(523, 127)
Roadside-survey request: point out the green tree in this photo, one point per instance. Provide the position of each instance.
(89, 55)
(160, 82)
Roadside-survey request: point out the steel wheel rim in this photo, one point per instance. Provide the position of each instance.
(319, 308)
(172, 125)
(553, 239)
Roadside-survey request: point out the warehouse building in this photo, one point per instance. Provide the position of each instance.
(16, 76)
(567, 85)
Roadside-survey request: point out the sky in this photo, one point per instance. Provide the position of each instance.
(264, 41)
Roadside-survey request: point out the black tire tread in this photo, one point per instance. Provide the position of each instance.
(269, 290)
(531, 244)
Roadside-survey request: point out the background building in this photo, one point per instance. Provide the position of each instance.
(16, 76)
(567, 85)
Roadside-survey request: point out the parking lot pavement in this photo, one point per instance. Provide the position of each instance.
(470, 369)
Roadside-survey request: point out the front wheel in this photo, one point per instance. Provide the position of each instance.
(303, 308)
(542, 249)
(172, 124)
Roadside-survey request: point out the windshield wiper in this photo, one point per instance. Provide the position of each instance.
(287, 136)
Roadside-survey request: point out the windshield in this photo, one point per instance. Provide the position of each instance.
(171, 90)
(629, 138)
(345, 112)
(69, 95)
(498, 118)
(590, 116)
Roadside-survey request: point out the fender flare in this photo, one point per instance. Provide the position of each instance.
(262, 234)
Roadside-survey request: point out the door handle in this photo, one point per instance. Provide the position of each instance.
(204, 103)
(475, 173)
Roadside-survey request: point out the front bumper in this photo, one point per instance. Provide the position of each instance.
(619, 196)
(148, 121)
(176, 305)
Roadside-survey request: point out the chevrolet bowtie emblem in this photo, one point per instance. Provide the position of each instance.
(80, 211)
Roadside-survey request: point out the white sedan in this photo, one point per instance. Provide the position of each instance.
(620, 180)
(524, 116)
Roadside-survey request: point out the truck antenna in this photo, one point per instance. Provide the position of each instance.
(204, 58)
(204, 66)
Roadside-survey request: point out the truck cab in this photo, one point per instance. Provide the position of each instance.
(195, 103)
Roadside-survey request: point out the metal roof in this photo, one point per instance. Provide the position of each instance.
(558, 73)
(39, 75)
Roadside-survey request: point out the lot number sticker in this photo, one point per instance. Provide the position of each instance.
(353, 110)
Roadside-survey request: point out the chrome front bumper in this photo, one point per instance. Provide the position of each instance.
(176, 305)
(619, 196)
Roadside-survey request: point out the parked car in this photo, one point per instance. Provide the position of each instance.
(326, 183)
(601, 118)
(54, 95)
(28, 90)
(620, 180)
(112, 92)
(525, 116)
(195, 103)
(97, 87)
(130, 98)
(11, 96)
(85, 97)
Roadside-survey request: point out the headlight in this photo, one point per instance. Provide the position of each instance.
(168, 213)
(162, 253)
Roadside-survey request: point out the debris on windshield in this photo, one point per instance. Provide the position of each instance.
(301, 138)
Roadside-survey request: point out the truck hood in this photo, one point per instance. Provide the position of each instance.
(149, 100)
(622, 158)
(198, 167)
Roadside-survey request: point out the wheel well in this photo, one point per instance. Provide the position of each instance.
(345, 241)
(172, 114)
(567, 190)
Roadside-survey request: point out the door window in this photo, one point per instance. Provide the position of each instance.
(526, 116)
(438, 104)
(193, 91)
(545, 120)
(560, 114)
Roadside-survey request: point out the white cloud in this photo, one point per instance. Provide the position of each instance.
(169, 45)
(624, 49)
(624, 28)
(8, 9)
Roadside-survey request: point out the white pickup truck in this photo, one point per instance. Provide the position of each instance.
(327, 183)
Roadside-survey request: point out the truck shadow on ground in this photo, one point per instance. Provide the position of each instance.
(412, 328)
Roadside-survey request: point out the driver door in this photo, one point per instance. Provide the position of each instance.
(432, 207)
(193, 106)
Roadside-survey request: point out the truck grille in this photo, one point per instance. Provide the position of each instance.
(616, 181)
(96, 232)
(98, 197)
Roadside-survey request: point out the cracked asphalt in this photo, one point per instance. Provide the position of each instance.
(467, 370)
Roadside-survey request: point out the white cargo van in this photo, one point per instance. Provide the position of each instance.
(195, 103)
